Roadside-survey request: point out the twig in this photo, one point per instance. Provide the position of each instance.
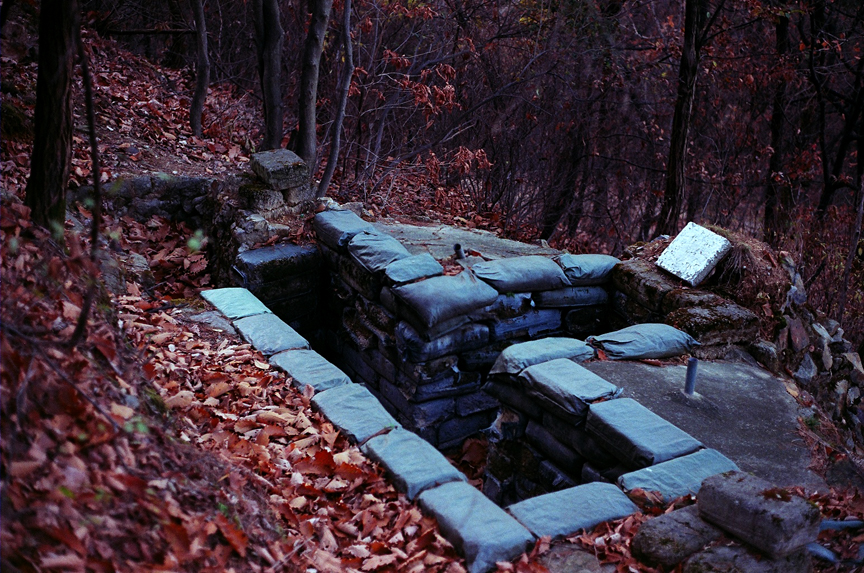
(96, 221)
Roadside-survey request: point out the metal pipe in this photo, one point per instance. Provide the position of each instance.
(690, 383)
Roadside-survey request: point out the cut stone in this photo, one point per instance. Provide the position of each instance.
(413, 463)
(694, 253)
(355, 411)
(721, 559)
(234, 302)
(680, 476)
(671, 538)
(479, 529)
(566, 386)
(769, 519)
(514, 359)
(413, 268)
(269, 334)
(282, 170)
(275, 262)
(726, 323)
(636, 435)
(687, 297)
(307, 367)
(336, 228)
(565, 512)
(642, 283)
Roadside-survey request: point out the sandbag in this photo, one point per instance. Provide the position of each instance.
(413, 268)
(417, 349)
(571, 297)
(587, 270)
(440, 298)
(514, 359)
(531, 324)
(336, 228)
(521, 274)
(373, 250)
(506, 306)
(649, 340)
(566, 388)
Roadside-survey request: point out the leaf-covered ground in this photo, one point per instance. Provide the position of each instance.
(163, 443)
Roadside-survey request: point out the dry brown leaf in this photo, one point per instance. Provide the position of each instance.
(182, 399)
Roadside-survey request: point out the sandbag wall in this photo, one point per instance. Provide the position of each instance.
(423, 341)
(561, 425)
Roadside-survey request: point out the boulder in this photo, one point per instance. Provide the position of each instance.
(671, 538)
(722, 324)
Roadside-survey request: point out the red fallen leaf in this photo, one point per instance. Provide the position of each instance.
(150, 370)
(379, 561)
(601, 355)
(236, 538)
(178, 537)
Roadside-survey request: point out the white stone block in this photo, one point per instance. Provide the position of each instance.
(694, 253)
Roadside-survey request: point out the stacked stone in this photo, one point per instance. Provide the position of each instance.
(423, 341)
(561, 425)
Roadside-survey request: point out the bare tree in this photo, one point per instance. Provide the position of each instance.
(307, 146)
(52, 147)
(202, 69)
(344, 88)
(269, 37)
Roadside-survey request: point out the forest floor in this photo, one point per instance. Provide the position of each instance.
(161, 443)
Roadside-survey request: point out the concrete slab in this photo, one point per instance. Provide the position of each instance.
(438, 241)
(746, 414)
(693, 253)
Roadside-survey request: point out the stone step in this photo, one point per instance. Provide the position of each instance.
(680, 476)
(269, 334)
(565, 512)
(308, 368)
(235, 302)
(480, 530)
(355, 411)
(669, 539)
(413, 464)
(635, 435)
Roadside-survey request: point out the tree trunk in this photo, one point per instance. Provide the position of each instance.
(344, 88)
(778, 198)
(202, 71)
(673, 198)
(268, 43)
(52, 146)
(307, 144)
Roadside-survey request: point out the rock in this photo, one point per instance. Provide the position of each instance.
(565, 512)
(798, 335)
(821, 332)
(726, 323)
(854, 359)
(853, 395)
(643, 283)
(832, 326)
(827, 357)
(770, 519)
(671, 538)
(806, 370)
(570, 559)
(269, 334)
(694, 253)
(722, 559)
(685, 297)
(355, 411)
(413, 464)
(234, 303)
(284, 171)
(262, 199)
(766, 354)
(478, 528)
(783, 339)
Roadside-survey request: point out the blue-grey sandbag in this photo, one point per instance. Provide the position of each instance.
(516, 358)
(336, 228)
(437, 299)
(571, 297)
(374, 250)
(587, 270)
(468, 337)
(413, 268)
(648, 340)
(521, 274)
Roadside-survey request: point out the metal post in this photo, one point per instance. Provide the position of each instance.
(690, 383)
